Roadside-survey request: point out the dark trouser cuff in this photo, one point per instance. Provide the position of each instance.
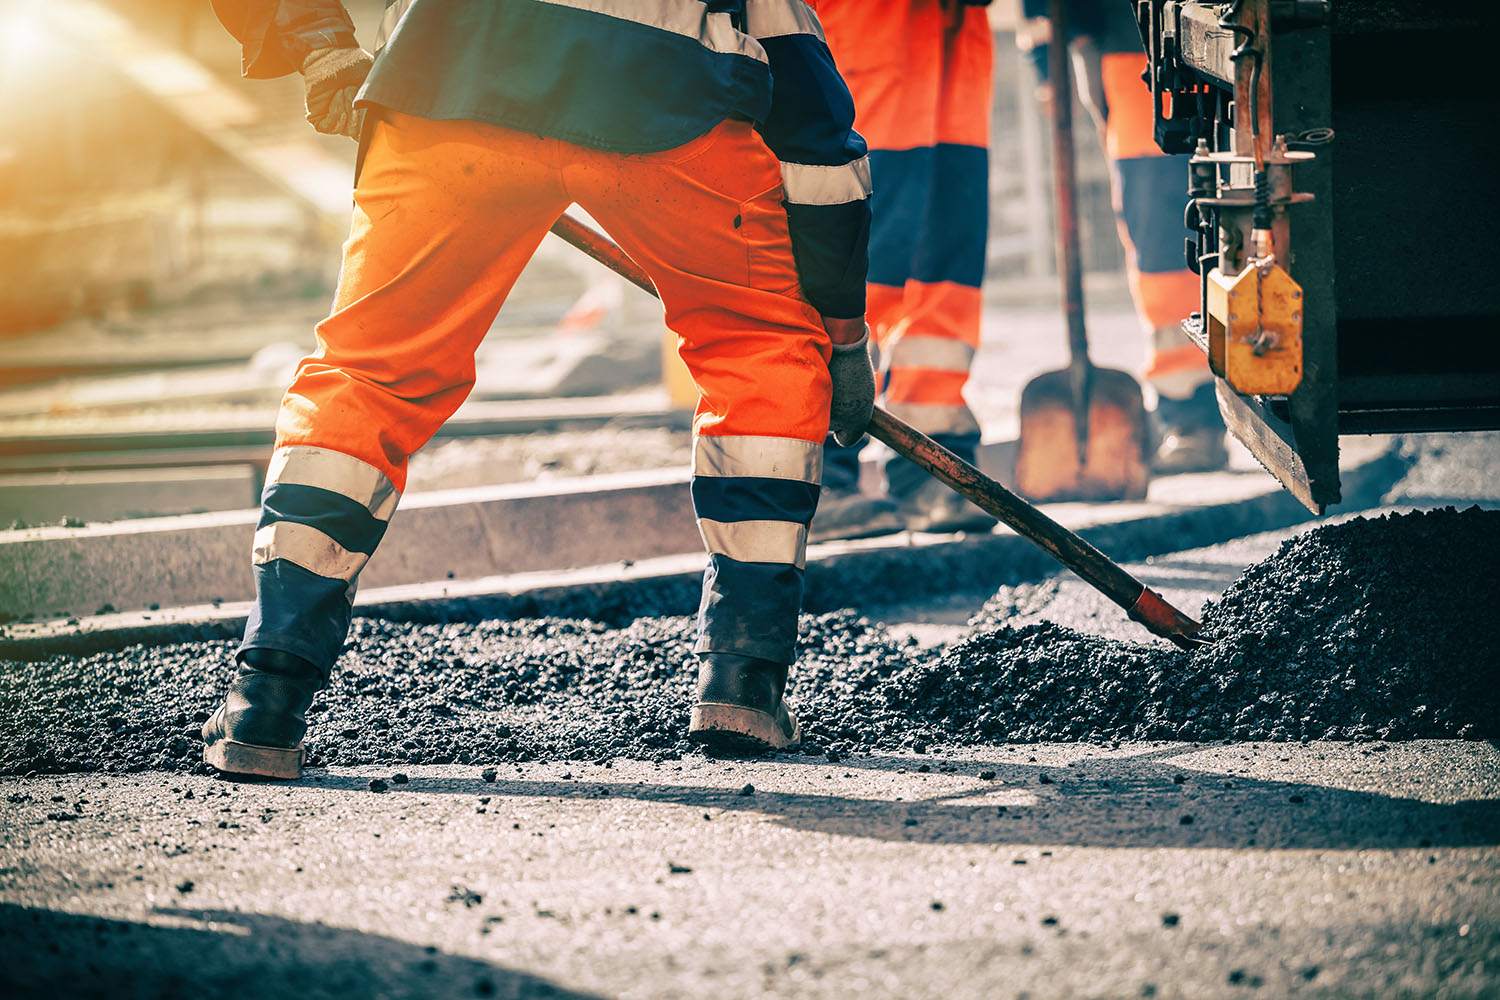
(1201, 409)
(750, 609)
(300, 613)
(841, 465)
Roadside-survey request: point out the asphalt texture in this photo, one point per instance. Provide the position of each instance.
(1448, 469)
(1370, 628)
(1167, 870)
(1106, 868)
(1374, 627)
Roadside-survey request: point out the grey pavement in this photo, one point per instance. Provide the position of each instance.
(1165, 870)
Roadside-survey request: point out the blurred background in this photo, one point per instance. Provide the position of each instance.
(169, 235)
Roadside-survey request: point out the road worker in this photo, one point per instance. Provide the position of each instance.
(920, 73)
(1149, 189)
(714, 141)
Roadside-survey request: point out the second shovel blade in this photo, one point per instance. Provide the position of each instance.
(1115, 465)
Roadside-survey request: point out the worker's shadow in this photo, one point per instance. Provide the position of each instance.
(1145, 800)
(237, 956)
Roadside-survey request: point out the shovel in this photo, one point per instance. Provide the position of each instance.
(1083, 429)
(1140, 602)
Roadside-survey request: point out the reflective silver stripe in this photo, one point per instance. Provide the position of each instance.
(809, 184)
(937, 353)
(338, 473)
(771, 18)
(715, 32)
(930, 419)
(756, 541)
(309, 548)
(760, 457)
(388, 21)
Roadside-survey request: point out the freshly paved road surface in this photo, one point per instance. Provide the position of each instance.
(1317, 870)
(1324, 869)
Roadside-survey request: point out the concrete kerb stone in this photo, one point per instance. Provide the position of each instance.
(451, 534)
(192, 559)
(113, 494)
(1186, 512)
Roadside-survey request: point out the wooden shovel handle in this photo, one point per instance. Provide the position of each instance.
(1065, 185)
(604, 250)
(1097, 570)
(1141, 603)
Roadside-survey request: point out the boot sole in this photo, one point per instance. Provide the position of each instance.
(230, 757)
(737, 729)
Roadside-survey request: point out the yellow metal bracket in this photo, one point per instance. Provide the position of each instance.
(1254, 328)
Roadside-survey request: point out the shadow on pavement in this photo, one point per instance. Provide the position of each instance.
(1130, 802)
(244, 956)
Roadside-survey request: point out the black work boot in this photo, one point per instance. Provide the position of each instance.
(258, 729)
(851, 514)
(843, 511)
(1190, 434)
(740, 705)
(928, 505)
(936, 508)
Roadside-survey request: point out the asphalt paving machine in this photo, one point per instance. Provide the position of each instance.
(1340, 213)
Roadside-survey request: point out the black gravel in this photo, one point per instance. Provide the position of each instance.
(1366, 629)
(1369, 628)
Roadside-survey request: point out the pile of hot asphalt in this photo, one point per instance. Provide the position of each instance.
(1380, 628)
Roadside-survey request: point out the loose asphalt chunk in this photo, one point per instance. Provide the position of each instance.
(1378, 628)
(1368, 628)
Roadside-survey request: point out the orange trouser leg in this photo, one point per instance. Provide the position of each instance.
(920, 75)
(930, 349)
(1150, 190)
(706, 222)
(891, 56)
(445, 217)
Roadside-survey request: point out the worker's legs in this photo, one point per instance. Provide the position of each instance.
(890, 56)
(1150, 193)
(929, 349)
(446, 215)
(921, 77)
(706, 222)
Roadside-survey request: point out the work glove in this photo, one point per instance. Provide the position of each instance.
(853, 390)
(333, 77)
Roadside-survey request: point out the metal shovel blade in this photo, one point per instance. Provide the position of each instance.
(1114, 465)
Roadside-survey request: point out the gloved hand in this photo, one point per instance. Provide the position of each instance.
(333, 77)
(853, 389)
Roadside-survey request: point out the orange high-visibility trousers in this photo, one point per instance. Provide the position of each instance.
(446, 215)
(920, 74)
(1150, 190)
